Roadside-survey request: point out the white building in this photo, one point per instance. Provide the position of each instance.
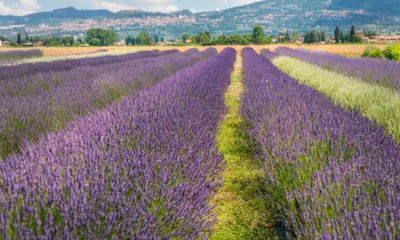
(1, 43)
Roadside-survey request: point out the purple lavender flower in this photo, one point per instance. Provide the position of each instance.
(330, 173)
(144, 168)
(374, 70)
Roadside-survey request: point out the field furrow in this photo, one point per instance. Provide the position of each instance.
(243, 211)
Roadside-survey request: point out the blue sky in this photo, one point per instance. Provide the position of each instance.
(21, 7)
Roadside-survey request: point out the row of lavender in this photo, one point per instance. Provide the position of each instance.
(331, 173)
(35, 82)
(7, 72)
(374, 70)
(9, 56)
(26, 114)
(142, 169)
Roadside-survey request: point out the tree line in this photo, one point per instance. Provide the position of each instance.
(205, 38)
(347, 37)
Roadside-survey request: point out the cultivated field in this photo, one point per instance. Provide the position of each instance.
(199, 143)
(350, 50)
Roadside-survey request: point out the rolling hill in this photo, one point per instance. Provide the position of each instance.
(274, 15)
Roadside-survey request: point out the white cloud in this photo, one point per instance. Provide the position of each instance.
(147, 5)
(22, 7)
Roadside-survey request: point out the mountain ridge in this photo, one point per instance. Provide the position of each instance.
(274, 15)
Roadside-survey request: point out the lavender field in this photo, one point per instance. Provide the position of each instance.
(229, 144)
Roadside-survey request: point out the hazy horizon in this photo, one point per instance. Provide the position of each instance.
(23, 7)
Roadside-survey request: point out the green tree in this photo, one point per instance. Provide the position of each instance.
(46, 41)
(352, 34)
(323, 37)
(26, 37)
(258, 33)
(144, 38)
(106, 37)
(95, 42)
(67, 41)
(295, 36)
(337, 35)
(287, 36)
(130, 40)
(19, 41)
(185, 37)
(156, 39)
(80, 41)
(202, 38)
(342, 37)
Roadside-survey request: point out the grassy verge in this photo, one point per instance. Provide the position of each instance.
(241, 205)
(374, 102)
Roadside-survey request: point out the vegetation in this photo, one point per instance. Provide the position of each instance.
(373, 52)
(101, 37)
(378, 103)
(242, 210)
(314, 37)
(256, 37)
(144, 38)
(392, 52)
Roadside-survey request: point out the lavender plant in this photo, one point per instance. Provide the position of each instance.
(373, 70)
(269, 54)
(8, 56)
(332, 173)
(142, 169)
(35, 104)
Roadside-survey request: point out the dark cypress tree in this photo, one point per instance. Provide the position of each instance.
(337, 35)
(352, 34)
(19, 39)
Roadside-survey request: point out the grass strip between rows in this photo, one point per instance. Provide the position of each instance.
(375, 102)
(242, 209)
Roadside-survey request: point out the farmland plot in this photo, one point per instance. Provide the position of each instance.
(36, 101)
(144, 168)
(332, 173)
(198, 145)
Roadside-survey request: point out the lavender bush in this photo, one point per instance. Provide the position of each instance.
(142, 169)
(19, 54)
(332, 173)
(269, 54)
(34, 104)
(374, 70)
(29, 69)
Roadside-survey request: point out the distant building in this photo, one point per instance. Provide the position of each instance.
(5, 44)
(383, 39)
(360, 34)
(27, 44)
(120, 43)
(1, 43)
(38, 44)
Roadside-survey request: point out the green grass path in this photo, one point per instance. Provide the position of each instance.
(241, 205)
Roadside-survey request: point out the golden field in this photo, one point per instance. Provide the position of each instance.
(337, 49)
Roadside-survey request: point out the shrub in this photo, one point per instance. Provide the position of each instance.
(372, 52)
(392, 52)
